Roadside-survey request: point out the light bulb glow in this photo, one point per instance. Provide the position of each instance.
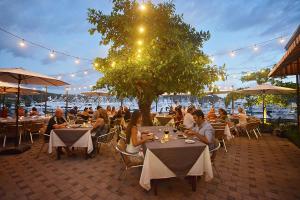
(77, 61)
(141, 29)
(232, 54)
(96, 64)
(22, 43)
(281, 40)
(113, 64)
(85, 72)
(59, 77)
(72, 75)
(139, 50)
(255, 48)
(142, 7)
(52, 54)
(140, 42)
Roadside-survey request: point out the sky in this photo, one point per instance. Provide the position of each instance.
(62, 25)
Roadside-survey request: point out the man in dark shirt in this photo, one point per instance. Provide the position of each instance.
(56, 122)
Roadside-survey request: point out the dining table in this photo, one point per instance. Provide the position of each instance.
(173, 157)
(71, 137)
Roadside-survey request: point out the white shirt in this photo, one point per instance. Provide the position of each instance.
(205, 129)
(132, 149)
(188, 121)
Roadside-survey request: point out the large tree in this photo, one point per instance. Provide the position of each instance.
(152, 51)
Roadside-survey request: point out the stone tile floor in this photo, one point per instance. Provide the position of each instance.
(265, 169)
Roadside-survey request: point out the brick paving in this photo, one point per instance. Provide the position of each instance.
(264, 169)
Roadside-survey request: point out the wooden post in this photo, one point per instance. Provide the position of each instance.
(298, 100)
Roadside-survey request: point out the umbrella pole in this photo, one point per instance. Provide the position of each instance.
(232, 105)
(263, 106)
(298, 101)
(46, 98)
(156, 102)
(66, 112)
(17, 112)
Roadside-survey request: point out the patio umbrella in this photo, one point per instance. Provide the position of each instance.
(266, 89)
(97, 93)
(22, 76)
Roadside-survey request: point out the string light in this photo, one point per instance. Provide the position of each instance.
(140, 42)
(255, 48)
(72, 75)
(141, 29)
(77, 61)
(22, 43)
(52, 54)
(232, 54)
(142, 7)
(85, 72)
(281, 40)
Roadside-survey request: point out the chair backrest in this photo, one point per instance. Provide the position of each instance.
(213, 152)
(121, 148)
(10, 130)
(251, 125)
(219, 133)
(36, 127)
(79, 121)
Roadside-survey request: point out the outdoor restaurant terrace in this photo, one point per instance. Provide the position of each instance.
(156, 114)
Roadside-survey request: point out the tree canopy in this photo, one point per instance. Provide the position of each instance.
(152, 51)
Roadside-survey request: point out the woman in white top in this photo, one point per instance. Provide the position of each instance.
(188, 120)
(134, 138)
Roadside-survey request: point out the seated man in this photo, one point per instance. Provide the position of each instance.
(202, 130)
(56, 122)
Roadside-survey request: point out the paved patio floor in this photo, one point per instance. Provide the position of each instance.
(264, 169)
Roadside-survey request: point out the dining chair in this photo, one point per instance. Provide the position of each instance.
(35, 128)
(9, 131)
(213, 154)
(125, 157)
(105, 139)
(45, 141)
(251, 128)
(220, 133)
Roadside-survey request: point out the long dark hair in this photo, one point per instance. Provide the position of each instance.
(133, 122)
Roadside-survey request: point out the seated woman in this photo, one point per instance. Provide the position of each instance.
(34, 112)
(135, 138)
(178, 116)
(223, 116)
(211, 115)
(85, 114)
(242, 119)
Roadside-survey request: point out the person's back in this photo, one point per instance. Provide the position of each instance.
(188, 120)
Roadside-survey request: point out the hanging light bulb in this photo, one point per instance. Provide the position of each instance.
(96, 64)
(142, 7)
(255, 48)
(232, 54)
(141, 29)
(72, 75)
(85, 72)
(281, 40)
(113, 64)
(52, 54)
(140, 42)
(77, 61)
(59, 77)
(139, 50)
(22, 43)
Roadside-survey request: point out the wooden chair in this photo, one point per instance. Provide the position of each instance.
(35, 128)
(125, 157)
(251, 128)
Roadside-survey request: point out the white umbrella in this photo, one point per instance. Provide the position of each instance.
(8, 88)
(97, 93)
(266, 89)
(22, 76)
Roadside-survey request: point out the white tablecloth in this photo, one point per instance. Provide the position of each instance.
(228, 133)
(155, 169)
(83, 141)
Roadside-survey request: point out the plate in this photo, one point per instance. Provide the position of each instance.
(188, 141)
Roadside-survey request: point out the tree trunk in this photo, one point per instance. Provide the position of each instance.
(145, 108)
